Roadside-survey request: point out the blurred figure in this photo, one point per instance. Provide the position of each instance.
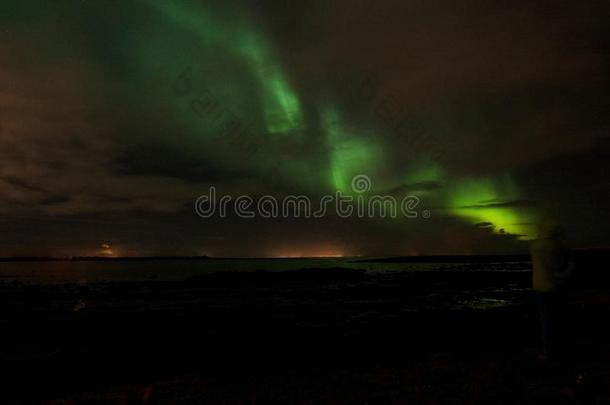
(552, 270)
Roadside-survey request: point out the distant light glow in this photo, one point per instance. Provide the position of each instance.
(304, 252)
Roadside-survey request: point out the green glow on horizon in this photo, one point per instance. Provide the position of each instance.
(480, 200)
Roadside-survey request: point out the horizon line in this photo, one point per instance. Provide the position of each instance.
(207, 257)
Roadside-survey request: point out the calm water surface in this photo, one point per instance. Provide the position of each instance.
(179, 269)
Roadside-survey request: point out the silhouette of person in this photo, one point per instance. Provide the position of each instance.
(552, 269)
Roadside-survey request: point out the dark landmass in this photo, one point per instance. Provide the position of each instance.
(447, 259)
(461, 335)
(579, 254)
(101, 258)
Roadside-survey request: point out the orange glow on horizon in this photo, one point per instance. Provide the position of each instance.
(308, 253)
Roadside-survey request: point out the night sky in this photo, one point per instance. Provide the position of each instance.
(116, 115)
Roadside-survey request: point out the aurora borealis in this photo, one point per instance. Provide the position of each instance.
(116, 115)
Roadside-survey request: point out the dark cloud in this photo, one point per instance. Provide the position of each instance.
(168, 161)
(58, 147)
(414, 187)
(500, 204)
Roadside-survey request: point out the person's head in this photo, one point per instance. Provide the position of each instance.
(549, 228)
